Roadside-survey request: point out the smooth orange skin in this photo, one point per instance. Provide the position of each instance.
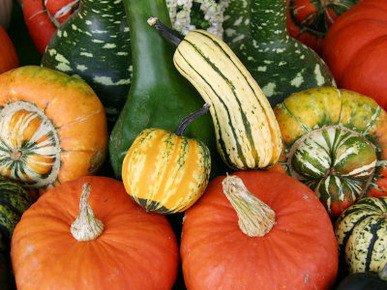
(354, 49)
(74, 109)
(300, 251)
(8, 56)
(136, 250)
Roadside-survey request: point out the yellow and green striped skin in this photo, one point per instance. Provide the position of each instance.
(361, 235)
(248, 136)
(166, 173)
(335, 142)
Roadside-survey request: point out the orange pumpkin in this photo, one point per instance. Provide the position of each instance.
(112, 244)
(53, 127)
(287, 242)
(8, 56)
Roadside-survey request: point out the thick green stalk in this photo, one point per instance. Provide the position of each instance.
(159, 96)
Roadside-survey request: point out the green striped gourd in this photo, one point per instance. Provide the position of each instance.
(248, 136)
(14, 201)
(335, 142)
(166, 172)
(94, 44)
(361, 233)
(257, 32)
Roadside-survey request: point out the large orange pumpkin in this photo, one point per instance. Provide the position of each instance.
(298, 252)
(355, 50)
(53, 127)
(129, 248)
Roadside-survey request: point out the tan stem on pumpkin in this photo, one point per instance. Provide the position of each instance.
(255, 217)
(86, 227)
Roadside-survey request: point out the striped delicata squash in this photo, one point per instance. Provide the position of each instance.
(248, 136)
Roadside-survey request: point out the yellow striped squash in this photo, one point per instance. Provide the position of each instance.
(164, 172)
(248, 135)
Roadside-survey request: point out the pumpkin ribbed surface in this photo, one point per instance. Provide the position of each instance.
(247, 133)
(299, 251)
(53, 127)
(361, 234)
(135, 250)
(164, 172)
(335, 143)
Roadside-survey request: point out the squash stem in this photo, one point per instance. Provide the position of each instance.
(256, 218)
(86, 227)
(191, 117)
(171, 35)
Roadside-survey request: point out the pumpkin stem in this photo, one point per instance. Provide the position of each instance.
(255, 217)
(191, 117)
(86, 227)
(171, 35)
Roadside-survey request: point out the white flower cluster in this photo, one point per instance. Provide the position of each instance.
(180, 14)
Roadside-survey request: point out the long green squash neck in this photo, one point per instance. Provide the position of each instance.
(144, 39)
(268, 20)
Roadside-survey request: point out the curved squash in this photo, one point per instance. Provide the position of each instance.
(247, 133)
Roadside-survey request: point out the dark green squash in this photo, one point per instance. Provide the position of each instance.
(159, 96)
(94, 44)
(257, 33)
(365, 281)
(14, 201)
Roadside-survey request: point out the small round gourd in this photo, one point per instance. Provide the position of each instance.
(166, 172)
(336, 143)
(361, 233)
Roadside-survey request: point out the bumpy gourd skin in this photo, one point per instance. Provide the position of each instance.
(159, 96)
(257, 32)
(335, 142)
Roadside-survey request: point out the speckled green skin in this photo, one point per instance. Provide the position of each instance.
(257, 33)
(159, 96)
(95, 45)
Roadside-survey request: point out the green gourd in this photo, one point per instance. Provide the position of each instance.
(94, 44)
(257, 33)
(159, 96)
(14, 201)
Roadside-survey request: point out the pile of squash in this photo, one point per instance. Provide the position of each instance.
(137, 156)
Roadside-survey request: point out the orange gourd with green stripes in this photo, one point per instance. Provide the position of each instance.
(336, 143)
(53, 127)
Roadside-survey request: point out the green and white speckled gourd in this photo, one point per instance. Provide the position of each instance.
(94, 44)
(257, 33)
